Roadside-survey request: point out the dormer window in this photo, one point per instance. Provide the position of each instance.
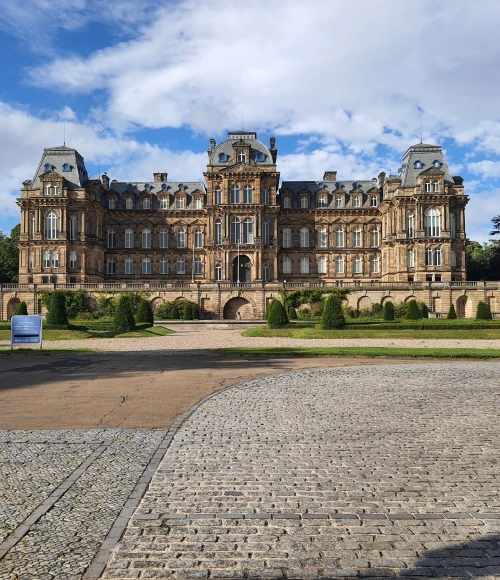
(338, 185)
(164, 186)
(180, 203)
(148, 187)
(242, 157)
(418, 164)
(181, 186)
(146, 203)
(374, 201)
(47, 167)
(111, 203)
(304, 202)
(223, 157)
(322, 201)
(437, 164)
(356, 202)
(260, 157)
(66, 167)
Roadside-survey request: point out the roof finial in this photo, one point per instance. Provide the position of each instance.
(420, 127)
(64, 135)
(242, 122)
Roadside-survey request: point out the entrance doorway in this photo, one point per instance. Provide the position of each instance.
(238, 309)
(242, 264)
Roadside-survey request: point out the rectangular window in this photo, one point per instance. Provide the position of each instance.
(55, 259)
(31, 261)
(322, 266)
(163, 266)
(356, 202)
(322, 238)
(111, 267)
(111, 239)
(111, 203)
(163, 203)
(339, 266)
(181, 239)
(338, 201)
(287, 266)
(265, 196)
(197, 203)
(181, 267)
(146, 266)
(265, 232)
(129, 266)
(410, 226)
(410, 259)
(358, 266)
(46, 260)
(129, 238)
(453, 258)
(72, 259)
(129, 203)
(180, 203)
(304, 202)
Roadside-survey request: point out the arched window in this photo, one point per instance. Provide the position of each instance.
(339, 265)
(374, 201)
(146, 238)
(111, 203)
(163, 203)
(218, 272)
(374, 238)
(129, 238)
(146, 203)
(218, 233)
(304, 238)
(410, 258)
(129, 203)
(304, 202)
(304, 265)
(436, 186)
(248, 194)
(181, 239)
(453, 225)
(73, 227)
(322, 201)
(432, 222)
(322, 265)
(242, 157)
(164, 266)
(234, 194)
(357, 266)
(47, 167)
(248, 231)
(51, 225)
(428, 186)
(217, 195)
(198, 266)
(287, 202)
(287, 265)
(129, 266)
(410, 226)
(287, 238)
(375, 265)
(235, 231)
(428, 256)
(111, 268)
(438, 255)
(55, 259)
(111, 239)
(322, 238)
(338, 201)
(66, 167)
(198, 238)
(31, 227)
(265, 196)
(453, 258)
(181, 266)
(72, 259)
(31, 261)
(357, 238)
(146, 266)
(164, 238)
(356, 201)
(46, 259)
(180, 203)
(265, 232)
(197, 203)
(265, 272)
(339, 238)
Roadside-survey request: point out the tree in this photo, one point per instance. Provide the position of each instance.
(57, 315)
(9, 256)
(332, 317)
(188, 312)
(424, 310)
(452, 313)
(412, 312)
(124, 314)
(276, 317)
(268, 309)
(21, 310)
(388, 310)
(145, 313)
(292, 313)
(483, 311)
(175, 312)
(483, 261)
(195, 312)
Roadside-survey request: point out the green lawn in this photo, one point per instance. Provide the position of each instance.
(48, 335)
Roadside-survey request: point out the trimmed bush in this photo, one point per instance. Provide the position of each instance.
(124, 314)
(145, 313)
(388, 310)
(174, 315)
(451, 313)
(332, 317)
(276, 317)
(413, 312)
(269, 307)
(21, 310)
(483, 311)
(188, 312)
(195, 312)
(292, 313)
(424, 310)
(376, 309)
(57, 315)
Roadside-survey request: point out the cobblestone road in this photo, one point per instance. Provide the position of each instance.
(387, 471)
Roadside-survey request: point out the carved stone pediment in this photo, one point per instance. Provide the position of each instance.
(51, 176)
(242, 168)
(432, 172)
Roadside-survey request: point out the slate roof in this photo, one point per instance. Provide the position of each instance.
(427, 154)
(57, 157)
(249, 138)
(327, 186)
(156, 187)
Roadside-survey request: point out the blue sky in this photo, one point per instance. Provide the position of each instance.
(346, 85)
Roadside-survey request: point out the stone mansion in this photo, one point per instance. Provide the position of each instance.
(240, 226)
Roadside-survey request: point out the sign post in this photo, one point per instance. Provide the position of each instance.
(25, 330)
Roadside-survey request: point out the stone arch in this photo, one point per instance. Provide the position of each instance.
(239, 308)
(408, 298)
(12, 305)
(461, 306)
(364, 302)
(387, 299)
(155, 302)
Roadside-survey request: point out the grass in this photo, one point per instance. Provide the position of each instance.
(43, 352)
(371, 352)
(49, 335)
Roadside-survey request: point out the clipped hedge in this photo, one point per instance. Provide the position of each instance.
(145, 313)
(276, 317)
(333, 317)
(452, 313)
(21, 310)
(388, 310)
(483, 311)
(57, 315)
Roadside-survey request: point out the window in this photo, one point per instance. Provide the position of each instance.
(163, 266)
(437, 257)
(428, 186)
(265, 232)
(129, 266)
(265, 272)
(287, 238)
(322, 201)
(111, 203)
(198, 266)
(410, 226)
(374, 238)
(248, 194)
(66, 167)
(163, 238)
(198, 239)
(218, 233)
(181, 266)
(51, 189)
(111, 266)
(260, 157)
(436, 186)
(51, 225)
(55, 259)
(129, 203)
(304, 202)
(339, 238)
(304, 238)
(197, 203)
(453, 258)
(322, 265)
(453, 225)
(129, 238)
(181, 239)
(146, 238)
(304, 265)
(410, 258)
(111, 239)
(339, 265)
(218, 272)
(242, 157)
(432, 222)
(31, 227)
(163, 203)
(235, 231)
(433, 257)
(73, 227)
(418, 165)
(265, 196)
(217, 195)
(46, 259)
(47, 167)
(357, 238)
(287, 265)
(31, 261)
(356, 202)
(146, 203)
(180, 203)
(234, 194)
(428, 256)
(248, 231)
(375, 265)
(146, 266)
(287, 203)
(374, 201)
(437, 164)
(338, 201)
(322, 238)
(223, 157)
(357, 266)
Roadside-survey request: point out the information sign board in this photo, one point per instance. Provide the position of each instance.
(26, 330)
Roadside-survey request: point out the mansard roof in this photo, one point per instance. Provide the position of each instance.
(328, 186)
(65, 161)
(246, 138)
(189, 187)
(427, 155)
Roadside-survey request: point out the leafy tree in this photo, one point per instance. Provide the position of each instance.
(124, 314)
(452, 314)
(276, 316)
(424, 310)
(483, 311)
(292, 313)
(145, 313)
(57, 315)
(22, 309)
(388, 310)
(76, 302)
(483, 261)
(412, 312)
(174, 315)
(332, 316)
(9, 256)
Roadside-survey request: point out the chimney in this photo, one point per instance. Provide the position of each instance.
(330, 176)
(212, 144)
(272, 143)
(158, 177)
(381, 179)
(105, 180)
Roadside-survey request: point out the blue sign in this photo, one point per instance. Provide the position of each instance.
(26, 330)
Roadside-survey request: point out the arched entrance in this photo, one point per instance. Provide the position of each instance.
(461, 304)
(238, 309)
(12, 305)
(242, 263)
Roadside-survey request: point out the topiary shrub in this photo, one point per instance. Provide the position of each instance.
(388, 310)
(292, 313)
(413, 312)
(268, 309)
(195, 312)
(424, 310)
(451, 313)
(124, 314)
(21, 310)
(483, 311)
(276, 317)
(174, 315)
(332, 317)
(188, 312)
(376, 309)
(57, 315)
(400, 310)
(145, 313)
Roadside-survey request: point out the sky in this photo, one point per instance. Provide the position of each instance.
(139, 86)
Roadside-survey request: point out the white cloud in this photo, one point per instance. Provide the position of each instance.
(485, 168)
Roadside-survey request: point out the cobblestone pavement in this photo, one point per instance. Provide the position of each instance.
(61, 492)
(386, 471)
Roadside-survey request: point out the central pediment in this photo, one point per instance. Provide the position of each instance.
(242, 168)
